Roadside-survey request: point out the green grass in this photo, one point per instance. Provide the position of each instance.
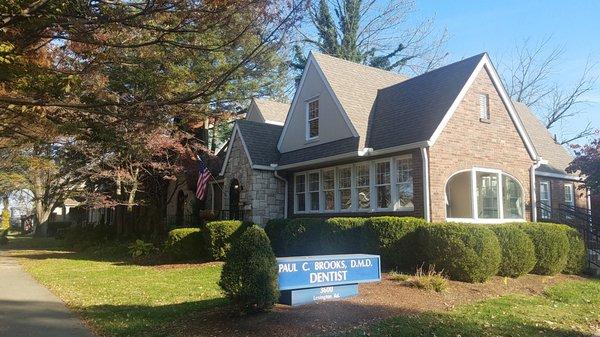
(568, 309)
(118, 298)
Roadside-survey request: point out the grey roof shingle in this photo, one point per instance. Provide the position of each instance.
(272, 111)
(261, 141)
(341, 146)
(410, 111)
(557, 156)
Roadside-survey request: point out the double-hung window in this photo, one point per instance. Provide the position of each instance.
(569, 197)
(344, 176)
(300, 194)
(404, 183)
(363, 186)
(329, 189)
(312, 120)
(313, 190)
(383, 184)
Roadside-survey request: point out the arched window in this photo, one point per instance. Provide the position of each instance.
(484, 195)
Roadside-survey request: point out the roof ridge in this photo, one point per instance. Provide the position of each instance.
(362, 65)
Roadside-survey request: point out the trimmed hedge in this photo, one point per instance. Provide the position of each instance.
(518, 251)
(301, 236)
(577, 257)
(218, 236)
(249, 276)
(184, 244)
(395, 239)
(464, 252)
(551, 247)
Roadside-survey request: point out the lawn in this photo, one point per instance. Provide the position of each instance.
(567, 309)
(117, 298)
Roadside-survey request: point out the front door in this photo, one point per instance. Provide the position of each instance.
(234, 200)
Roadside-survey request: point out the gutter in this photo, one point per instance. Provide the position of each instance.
(532, 188)
(425, 164)
(285, 193)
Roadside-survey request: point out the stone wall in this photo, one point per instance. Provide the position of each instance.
(467, 142)
(262, 195)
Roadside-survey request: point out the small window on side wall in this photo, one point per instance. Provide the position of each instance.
(484, 107)
(312, 120)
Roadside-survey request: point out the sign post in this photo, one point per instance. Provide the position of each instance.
(308, 279)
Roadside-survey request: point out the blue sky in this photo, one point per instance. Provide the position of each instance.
(497, 26)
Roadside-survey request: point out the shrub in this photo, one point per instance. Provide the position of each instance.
(140, 248)
(249, 276)
(301, 236)
(218, 236)
(577, 257)
(185, 244)
(464, 252)
(426, 280)
(551, 247)
(5, 219)
(395, 239)
(3, 236)
(57, 226)
(518, 252)
(343, 235)
(81, 238)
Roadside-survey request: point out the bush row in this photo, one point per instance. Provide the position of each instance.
(209, 243)
(465, 252)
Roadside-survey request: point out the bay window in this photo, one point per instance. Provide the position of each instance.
(370, 186)
(484, 195)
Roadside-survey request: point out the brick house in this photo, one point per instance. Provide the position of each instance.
(447, 145)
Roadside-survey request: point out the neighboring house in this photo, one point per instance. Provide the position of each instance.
(448, 145)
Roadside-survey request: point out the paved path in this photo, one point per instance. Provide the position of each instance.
(27, 309)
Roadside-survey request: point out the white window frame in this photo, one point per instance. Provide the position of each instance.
(370, 186)
(484, 106)
(353, 188)
(322, 198)
(544, 213)
(308, 192)
(474, 206)
(308, 119)
(375, 195)
(571, 194)
(395, 182)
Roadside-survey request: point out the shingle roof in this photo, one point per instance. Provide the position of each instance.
(272, 111)
(342, 146)
(355, 85)
(261, 141)
(411, 111)
(557, 156)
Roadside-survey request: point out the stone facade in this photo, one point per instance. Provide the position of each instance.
(262, 195)
(467, 142)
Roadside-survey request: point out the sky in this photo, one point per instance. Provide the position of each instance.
(498, 26)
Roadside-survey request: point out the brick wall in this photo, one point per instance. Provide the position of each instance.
(557, 192)
(467, 142)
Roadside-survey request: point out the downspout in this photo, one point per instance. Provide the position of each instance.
(532, 188)
(425, 161)
(285, 193)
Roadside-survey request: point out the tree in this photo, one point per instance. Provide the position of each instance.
(587, 165)
(373, 33)
(528, 79)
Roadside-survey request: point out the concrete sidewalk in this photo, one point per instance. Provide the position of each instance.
(27, 309)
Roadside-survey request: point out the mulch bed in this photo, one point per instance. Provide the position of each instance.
(376, 301)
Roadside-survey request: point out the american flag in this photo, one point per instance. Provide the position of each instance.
(203, 177)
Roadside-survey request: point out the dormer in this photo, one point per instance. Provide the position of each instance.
(266, 111)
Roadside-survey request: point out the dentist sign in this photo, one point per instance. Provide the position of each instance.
(306, 279)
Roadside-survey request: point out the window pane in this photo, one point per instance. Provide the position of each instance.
(364, 197)
(314, 201)
(384, 198)
(344, 177)
(329, 200)
(405, 195)
(313, 128)
(300, 186)
(569, 194)
(487, 195)
(345, 199)
(383, 173)
(313, 181)
(458, 196)
(512, 198)
(328, 182)
(313, 110)
(362, 175)
(404, 167)
(300, 202)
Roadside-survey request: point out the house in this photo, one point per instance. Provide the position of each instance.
(448, 145)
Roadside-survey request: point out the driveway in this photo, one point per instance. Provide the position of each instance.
(27, 309)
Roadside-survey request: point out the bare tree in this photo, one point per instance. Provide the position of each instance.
(529, 80)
